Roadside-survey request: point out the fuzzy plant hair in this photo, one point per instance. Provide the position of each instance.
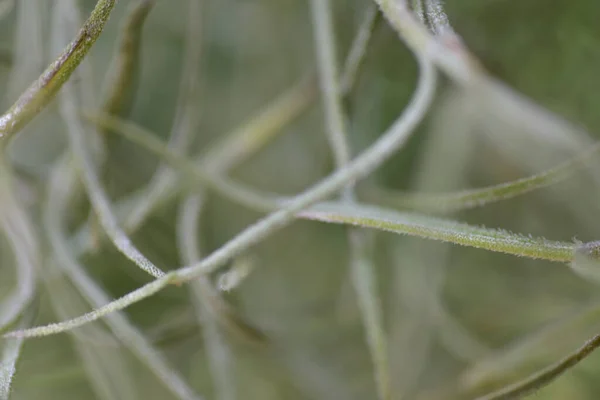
(203, 199)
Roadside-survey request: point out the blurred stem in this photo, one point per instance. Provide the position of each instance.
(361, 264)
(532, 352)
(471, 198)
(447, 53)
(185, 124)
(78, 133)
(122, 83)
(417, 7)
(6, 6)
(203, 295)
(358, 49)
(232, 150)
(450, 55)
(211, 180)
(97, 196)
(360, 167)
(43, 90)
(455, 232)
(546, 376)
(60, 189)
(262, 128)
(20, 233)
(252, 135)
(327, 66)
(10, 355)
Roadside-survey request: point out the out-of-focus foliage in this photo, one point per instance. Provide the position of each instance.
(460, 321)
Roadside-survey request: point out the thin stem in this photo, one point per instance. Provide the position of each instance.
(116, 305)
(327, 64)
(449, 54)
(221, 185)
(45, 88)
(100, 202)
(361, 264)
(531, 352)
(233, 149)
(186, 119)
(261, 129)
(452, 57)
(20, 233)
(364, 278)
(360, 167)
(442, 229)
(251, 135)
(466, 199)
(102, 357)
(122, 82)
(85, 164)
(10, 356)
(27, 54)
(61, 187)
(358, 49)
(562, 255)
(545, 376)
(203, 295)
(364, 216)
(364, 164)
(254, 134)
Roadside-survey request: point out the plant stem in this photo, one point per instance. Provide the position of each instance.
(364, 164)
(362, 268)
(45, 88)
(60, 189)
(546, 376)
(442, 230)
(471, 198)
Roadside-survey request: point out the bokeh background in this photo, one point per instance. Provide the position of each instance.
(460, 321)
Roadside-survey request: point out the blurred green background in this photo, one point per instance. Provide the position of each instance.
(456, 317)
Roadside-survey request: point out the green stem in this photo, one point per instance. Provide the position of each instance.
(10, 356)
(362, 268)
(546, 376)
(466, 199)
(20, 232)
(119, 98)
(211, 180)
(455, 232)
(442, 230)
(45, 88)
(62, 185)
(362, 166)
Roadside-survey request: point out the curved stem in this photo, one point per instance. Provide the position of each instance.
(45, 88)
(546, 376)
(98, 198)
(61, 187)
(471, 198)
(364, 164)
(185, 124)
(362, 268)
(20, 233)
